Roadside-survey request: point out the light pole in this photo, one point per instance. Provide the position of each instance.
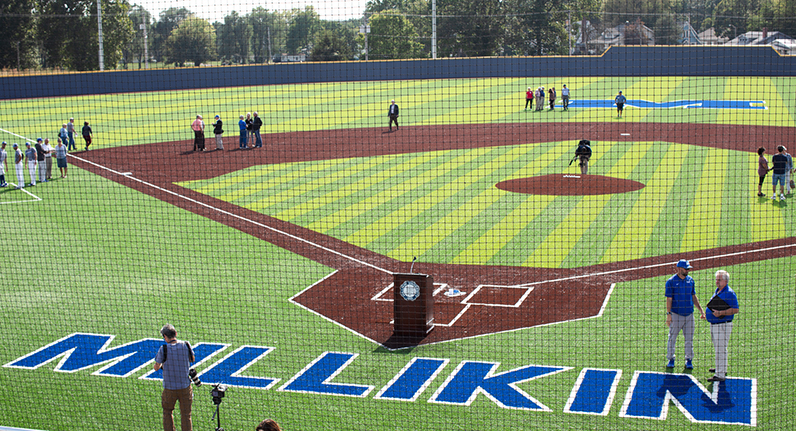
(433, 28)
(365, 29)
(142, 26)
(99, 35)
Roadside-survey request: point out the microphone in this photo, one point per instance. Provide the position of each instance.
(412, 268)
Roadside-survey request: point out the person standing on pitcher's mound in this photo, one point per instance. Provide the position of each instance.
(393, 114)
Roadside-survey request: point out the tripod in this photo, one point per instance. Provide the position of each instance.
(217, 414)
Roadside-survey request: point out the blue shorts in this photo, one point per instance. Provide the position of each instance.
(779, 178)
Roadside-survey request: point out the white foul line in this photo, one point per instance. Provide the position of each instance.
(227, 213)
(35, 198)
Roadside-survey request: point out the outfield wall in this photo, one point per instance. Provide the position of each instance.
(617, 61)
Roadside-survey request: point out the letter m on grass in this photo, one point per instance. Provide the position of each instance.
(733, 401)
(80, 351)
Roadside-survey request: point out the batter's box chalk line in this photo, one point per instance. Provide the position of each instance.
(33, 198)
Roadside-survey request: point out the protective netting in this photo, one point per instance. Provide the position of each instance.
(284, 257)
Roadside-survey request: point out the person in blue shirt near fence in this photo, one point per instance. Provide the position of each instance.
(721, 324)
(680, 300)
(175, 358)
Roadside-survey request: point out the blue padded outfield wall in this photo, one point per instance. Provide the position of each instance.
(617, 61)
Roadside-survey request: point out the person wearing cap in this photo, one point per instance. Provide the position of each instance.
(620, 101)
(257, 123)
(60, 157)
(86, 131)
(249, 122)
(392, 114)
(70, 133)
(680, 300)
(244, 133)
(565, 97)
(780, 168)
(721, 323)
(175, 358)
(30, 154)
(19, 160)
(48, 158)
(40, 160)
(218, 131)
(3, 164)
(198, 127)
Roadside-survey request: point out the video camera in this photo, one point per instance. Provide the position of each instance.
(218, 392)
(194, 378)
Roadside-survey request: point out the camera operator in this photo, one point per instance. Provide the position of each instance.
(175, 357)
(583, 153)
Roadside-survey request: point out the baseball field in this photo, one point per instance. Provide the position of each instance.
(277, 263)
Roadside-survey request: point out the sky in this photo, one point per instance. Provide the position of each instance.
(216, 10)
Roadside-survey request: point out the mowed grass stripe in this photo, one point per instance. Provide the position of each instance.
(631, 238)
(522, 209)
(766, 217)
(423, 168)
(469, 209)
(666, 237)
(213, 186)
(748, 88)
(296, 184)
(483, 102)
(594, 243)
(560, 240)
(738, 197)
(434, 192)
(348, 192)
(704, 217)
(463, 187)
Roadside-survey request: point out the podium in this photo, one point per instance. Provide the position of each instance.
(413, 306)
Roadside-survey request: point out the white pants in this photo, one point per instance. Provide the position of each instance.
(20, 175)
(686, 324)
(219, 143)
(32, 171)
(42, 171)
(720, 334)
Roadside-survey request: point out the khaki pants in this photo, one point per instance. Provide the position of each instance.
(169, 399)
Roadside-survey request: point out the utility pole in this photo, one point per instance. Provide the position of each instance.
(569, 30)
(270, 56)
(99, 34)
(142, 26)
(433, 28)
(18, 63)
(365, 29)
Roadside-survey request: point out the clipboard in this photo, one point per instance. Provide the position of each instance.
(718, 304)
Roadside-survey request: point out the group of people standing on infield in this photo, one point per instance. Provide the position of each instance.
(249, 132)
(783, 168)
(538, 96)
(39, 157)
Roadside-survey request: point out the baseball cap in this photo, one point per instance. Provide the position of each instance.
(217, 116)
(27, 144)
(39, 139)
(15, 145)
(684, 264)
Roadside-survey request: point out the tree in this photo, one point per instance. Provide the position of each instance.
(17, 42)
(267, 27)
(537, 27)
(169, 20)
(330, 46)
(68, 33)
(301, 32)
(656, 14)
(392, 36)
(193, 40)
(135, 49)
(234, 38)
(471, 28)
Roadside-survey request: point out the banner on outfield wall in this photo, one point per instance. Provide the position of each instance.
(733, 401)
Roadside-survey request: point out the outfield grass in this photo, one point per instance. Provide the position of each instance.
(95, 256)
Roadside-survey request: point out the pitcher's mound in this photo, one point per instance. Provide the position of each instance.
(570, 185)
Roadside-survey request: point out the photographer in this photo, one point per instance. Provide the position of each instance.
(175, 358)
(583, 153)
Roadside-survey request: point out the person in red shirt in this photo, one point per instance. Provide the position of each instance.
(198, 127)
(528, 98)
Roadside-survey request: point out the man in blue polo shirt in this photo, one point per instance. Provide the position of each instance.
(680, 301)
(721, 324)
